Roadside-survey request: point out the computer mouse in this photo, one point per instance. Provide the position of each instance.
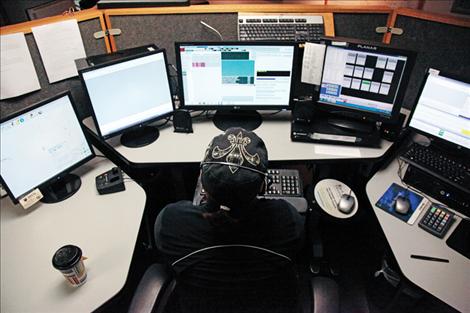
(402, 205)
(346, 203)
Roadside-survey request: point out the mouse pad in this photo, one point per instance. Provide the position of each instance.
(417, 203)
(459, 240)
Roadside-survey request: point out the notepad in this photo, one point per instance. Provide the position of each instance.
(417, 203)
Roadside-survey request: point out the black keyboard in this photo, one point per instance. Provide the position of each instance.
(284, 182)
(451, 169)
(290, 28)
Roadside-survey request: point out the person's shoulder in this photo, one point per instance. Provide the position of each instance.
(179, 209)
(279, 205)
(181, 216)
(279, 208)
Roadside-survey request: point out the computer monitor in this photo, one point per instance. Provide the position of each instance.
(236, 79)
(128, 94)
(40, 146)
(442, 111)
(363, 82)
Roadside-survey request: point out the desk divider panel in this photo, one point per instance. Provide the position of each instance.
(165, 26)
(360, 25)
(89, 22)
(164, 30)
(440, 41)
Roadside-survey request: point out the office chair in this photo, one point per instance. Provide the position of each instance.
(52, 8)
(277, 282)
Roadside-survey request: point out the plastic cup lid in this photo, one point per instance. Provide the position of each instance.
(66, 257)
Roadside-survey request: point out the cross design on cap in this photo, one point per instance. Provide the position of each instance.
(236, 153)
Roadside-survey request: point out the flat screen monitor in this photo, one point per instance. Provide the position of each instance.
(442, 110)
(128, 94)
(40, 146)
(236, 77)
(364, 81)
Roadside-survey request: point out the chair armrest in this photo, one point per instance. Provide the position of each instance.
(325, 295)
(150, 289)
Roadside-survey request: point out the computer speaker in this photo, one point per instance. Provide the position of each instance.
(391, 130)
(303, 112)
(182, 121)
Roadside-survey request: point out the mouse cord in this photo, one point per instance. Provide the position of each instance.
(401, 165)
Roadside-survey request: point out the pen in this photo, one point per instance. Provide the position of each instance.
(428, 258)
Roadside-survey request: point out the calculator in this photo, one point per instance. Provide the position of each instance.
(437, 221)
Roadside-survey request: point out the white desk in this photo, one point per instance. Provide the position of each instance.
(173, 147)
(449, 282)
(104, 227)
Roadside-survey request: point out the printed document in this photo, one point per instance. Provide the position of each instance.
(312, 63)
(59, 44)
(18, 75)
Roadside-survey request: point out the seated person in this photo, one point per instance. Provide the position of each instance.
(232, 174)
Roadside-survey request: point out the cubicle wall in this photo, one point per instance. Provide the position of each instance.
(89, 21)
(165, 26)
(441, 42)
(165, 29)
(360, 25)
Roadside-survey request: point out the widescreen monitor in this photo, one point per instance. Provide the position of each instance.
(442, 110)
(363, 80)
(236, 76)
(40, 146)
(128, 94)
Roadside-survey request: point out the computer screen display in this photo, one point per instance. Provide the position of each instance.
(128, 92)
(41, 143)
(443, 109)
(236, 75)
(366, 79)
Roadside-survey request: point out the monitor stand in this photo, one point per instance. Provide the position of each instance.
(139, 137)
(61, 189)
(249, 120)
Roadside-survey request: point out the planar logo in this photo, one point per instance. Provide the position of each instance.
(367, 47)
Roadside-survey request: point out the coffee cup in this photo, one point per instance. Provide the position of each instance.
(69, 261)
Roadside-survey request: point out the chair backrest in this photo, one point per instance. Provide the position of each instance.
(56, 7)
(233, 266)
(216, 276)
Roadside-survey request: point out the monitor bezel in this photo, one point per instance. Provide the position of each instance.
(437, 140)
(257, 107)
(65, 171)
(122, 60)
(373, 47)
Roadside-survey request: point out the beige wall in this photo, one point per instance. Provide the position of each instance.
(441, 6)
(399, 3)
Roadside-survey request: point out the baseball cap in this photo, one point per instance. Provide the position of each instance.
(233, 167)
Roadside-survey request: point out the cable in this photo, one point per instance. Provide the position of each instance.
(213, 29)
(168, 119)
(274, 113)
(200, 114)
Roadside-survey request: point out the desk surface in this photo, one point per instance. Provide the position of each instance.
(174, 147)
(104, 227)
(449, 282)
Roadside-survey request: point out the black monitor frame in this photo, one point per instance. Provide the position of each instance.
(236, 107)
(439, 142)
(121, 60)
(372, 47)
(66, 171)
